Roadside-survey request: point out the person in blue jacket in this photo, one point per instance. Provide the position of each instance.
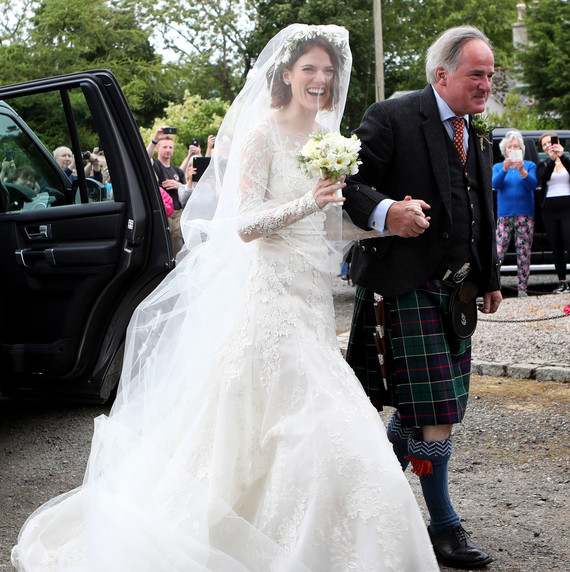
(515, 182)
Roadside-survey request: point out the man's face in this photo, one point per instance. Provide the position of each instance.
(467, 89)
(165, 149)
(64, 157)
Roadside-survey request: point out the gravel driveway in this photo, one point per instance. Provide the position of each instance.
(509, 475)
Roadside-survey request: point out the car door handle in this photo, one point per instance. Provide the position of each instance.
(20, 257)
(28, 257)
(38, 232)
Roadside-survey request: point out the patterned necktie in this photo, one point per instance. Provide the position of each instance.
(458, 124)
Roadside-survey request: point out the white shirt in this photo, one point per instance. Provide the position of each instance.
(559, 185)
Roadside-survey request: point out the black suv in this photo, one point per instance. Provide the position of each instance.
(541, 255)
(76, 257)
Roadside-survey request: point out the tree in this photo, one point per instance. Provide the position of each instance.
(546, 62)
(409, 27)
(209, 39)
(14, 25)
(519, 115)
(64, 37)
(194, 118)
(216, 42)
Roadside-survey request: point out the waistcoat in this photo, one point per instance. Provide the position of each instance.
(465, 208)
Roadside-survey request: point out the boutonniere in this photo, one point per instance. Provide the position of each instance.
(483, 128)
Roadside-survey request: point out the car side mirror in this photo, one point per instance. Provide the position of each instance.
(96, 191)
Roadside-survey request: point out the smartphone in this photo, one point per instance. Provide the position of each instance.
(515, 155)
(201, 163)
(170, 130)
(554, 140)
(196, 142)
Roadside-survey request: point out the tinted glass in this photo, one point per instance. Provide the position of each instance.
(39, 162)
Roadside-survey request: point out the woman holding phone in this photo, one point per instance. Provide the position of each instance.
(554, 178)
(514, 180)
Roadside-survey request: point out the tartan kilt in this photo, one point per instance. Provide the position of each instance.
(428, 371)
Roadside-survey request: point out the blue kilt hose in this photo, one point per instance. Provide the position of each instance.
(428, 370)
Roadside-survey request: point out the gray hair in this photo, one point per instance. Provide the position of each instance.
(446, 51)
(57, 150)
(510, 136)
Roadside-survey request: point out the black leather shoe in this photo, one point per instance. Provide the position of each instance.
(454, 548)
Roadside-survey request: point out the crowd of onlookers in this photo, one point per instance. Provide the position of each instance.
(30, 183)
(515, 180)
(175, 183)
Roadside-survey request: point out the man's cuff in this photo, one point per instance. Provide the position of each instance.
(377, 220)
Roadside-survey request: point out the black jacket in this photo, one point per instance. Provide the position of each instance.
(404, 152)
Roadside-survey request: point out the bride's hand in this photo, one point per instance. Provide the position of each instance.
(325, 192)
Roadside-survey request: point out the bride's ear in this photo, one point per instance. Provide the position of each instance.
(286, 76)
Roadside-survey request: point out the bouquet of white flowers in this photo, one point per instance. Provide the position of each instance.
(330, 154)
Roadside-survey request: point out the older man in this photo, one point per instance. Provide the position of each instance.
(425, 146)
(64, 158)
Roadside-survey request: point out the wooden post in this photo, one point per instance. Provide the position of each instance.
(378, 49)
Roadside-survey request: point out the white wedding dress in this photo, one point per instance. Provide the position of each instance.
(273, 458)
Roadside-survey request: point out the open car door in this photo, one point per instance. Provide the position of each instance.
(78, 249)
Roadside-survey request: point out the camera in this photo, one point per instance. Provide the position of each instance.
(86, 155)
(196, 142)
(554, 140)
(9, 156)
(170, 130)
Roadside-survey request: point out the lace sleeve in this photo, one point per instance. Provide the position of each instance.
(352, 232)
(255, 220)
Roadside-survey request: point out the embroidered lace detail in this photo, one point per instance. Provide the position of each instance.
(265, 208)
(256, 225)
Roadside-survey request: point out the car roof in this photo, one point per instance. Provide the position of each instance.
(500, 132)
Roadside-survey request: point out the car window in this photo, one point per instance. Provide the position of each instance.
(39, 160)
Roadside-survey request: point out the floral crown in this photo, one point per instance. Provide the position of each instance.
(310, 33)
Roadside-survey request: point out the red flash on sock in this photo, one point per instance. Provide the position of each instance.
(420, 467)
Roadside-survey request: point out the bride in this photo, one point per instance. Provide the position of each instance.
(240, 440)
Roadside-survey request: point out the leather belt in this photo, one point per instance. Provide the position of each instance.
(458, 276)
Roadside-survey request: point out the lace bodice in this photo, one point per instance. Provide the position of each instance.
(275, 197)
(274, 194)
